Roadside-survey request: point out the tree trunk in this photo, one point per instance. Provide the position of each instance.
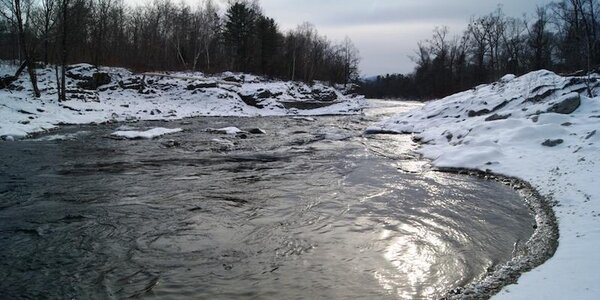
(58, 89)
(46, 33)
(20, 69)
(294, 65)
(28, 58)
(46, 43)
(207, 48)
(63, 89)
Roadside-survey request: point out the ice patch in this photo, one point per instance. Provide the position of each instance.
(148, 134)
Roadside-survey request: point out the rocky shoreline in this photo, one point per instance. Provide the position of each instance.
(102, 94)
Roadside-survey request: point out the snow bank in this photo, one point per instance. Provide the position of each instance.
(148, 134)
(541, 128)
(176, 95)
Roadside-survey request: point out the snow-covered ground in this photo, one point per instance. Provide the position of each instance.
(131, 97)
(541, 128)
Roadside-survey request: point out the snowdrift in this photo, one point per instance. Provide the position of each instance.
(542, 128)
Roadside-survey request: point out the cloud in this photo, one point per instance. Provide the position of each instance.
(328, 12)
(385, 31)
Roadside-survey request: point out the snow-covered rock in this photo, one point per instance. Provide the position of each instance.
(256, 131)
(148, 134)
(226, 130)
(157, 96)
(542, 128)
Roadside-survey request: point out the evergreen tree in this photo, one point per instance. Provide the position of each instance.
(240, 21)
(268, 38)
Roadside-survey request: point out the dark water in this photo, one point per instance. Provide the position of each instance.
(310, 210)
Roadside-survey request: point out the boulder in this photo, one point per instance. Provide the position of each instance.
(170, 143)
(478, 113)
(234, 78)
(566, 104)
(324, 95)
(201, 85)
(590, 135)
(552, 143)
(134, 83)
(251, 100)
(264, 94)
(496, 117)
(82, 94)
(101, 78)
(98, 79)
(6, 81)
(256, 131)
(351, 88)
(155, 112)
(80, 72)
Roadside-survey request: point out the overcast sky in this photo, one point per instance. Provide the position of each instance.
(385, 31)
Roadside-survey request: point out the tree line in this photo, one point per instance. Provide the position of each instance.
(563, 36)
(168, 35)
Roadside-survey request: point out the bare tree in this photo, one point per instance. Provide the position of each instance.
(18, 12)
(350, 59)
(208, 25)
(171, 35)
(478, 32)
(45, 17)
(495, 25)
(539, 40)
(513, 46)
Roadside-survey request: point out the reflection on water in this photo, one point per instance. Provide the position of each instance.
(309, 210)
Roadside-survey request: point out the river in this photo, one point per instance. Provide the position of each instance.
(312, 209)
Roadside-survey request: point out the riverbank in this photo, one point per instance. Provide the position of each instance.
(99, 95)
(540, 128)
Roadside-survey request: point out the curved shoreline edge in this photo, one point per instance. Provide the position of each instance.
(542, 128)
(537, 250)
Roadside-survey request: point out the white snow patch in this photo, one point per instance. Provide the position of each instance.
(148, 134)
(226, 130)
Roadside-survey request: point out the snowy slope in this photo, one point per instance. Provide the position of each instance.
(541, 128)
(131, 97)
